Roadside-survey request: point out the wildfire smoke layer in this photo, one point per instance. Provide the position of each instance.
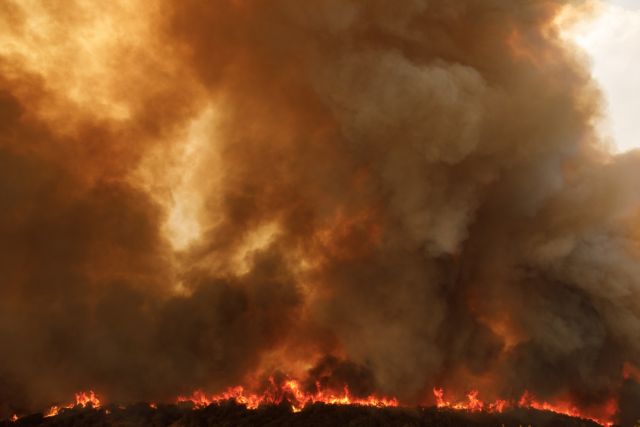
(198, 195)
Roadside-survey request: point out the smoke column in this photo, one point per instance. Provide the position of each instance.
(199, 194)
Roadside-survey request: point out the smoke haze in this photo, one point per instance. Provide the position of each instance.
(199, 194)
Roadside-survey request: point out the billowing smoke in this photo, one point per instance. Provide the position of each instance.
(394, 195)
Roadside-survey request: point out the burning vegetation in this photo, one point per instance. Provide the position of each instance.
(301, 208)
(317, 414)
(289, 397)
(288, 405)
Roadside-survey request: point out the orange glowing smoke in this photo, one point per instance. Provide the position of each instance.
(82, 399)
(527, 401)
(631, 371)
(289, 391)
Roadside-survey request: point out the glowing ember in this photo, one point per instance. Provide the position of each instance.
(289, 391)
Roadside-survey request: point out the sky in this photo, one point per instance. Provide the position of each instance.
(613, 42)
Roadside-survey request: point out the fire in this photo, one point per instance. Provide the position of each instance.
(290, 391)
(83, 399)
(527, 401)
(473, 403)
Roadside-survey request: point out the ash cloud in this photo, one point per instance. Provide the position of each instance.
(408, 195)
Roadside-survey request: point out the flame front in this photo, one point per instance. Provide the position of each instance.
(290, 391)
(83, 399)
(526, 401)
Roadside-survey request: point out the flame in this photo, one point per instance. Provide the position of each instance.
(473, 403)
(83, 399)
(526, 401)
(292, 392)
(289, 391)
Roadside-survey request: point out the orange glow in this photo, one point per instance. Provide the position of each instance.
(336, 240)
(567, 408)
(83, 399)
(527, 401)
(473, 403)
(290, 391)
(631, 371)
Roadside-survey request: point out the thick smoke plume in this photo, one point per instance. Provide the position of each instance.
(392, 195)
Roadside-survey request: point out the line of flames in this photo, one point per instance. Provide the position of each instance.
(83, 399)
(292, 392)
(527, 401)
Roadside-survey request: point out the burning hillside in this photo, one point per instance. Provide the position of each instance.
(287, 408)
(230, 413)
(292, 397)
(324, 201)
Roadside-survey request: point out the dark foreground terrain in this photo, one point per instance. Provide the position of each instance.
(234, 415)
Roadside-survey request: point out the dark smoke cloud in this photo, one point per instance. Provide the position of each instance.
(407, 194)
